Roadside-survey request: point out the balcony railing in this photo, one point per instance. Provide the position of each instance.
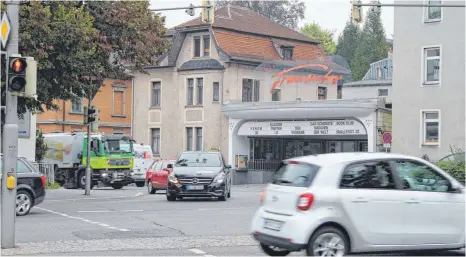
(263, 165)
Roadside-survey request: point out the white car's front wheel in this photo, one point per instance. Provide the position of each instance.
(328, 241)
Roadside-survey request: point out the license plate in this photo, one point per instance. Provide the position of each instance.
(194, 187)
(272, 224)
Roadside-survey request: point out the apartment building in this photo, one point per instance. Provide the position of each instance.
(252, 89)
(429, 80)
(114, 104)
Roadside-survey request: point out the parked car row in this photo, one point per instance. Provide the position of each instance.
(30, 189)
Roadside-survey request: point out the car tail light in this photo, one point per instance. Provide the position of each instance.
(305, 201)
(262, 197)
(42, 178)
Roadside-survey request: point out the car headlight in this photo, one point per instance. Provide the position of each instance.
(104, 175)
(132, 173)
(172, 178)
(219, 178)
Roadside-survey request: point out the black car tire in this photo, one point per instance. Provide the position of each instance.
(224, 197)
(272, 252)
(117, 186)
(150, 188)
(140, 184)
(328, 230)
(79, 182)
(171, 198)
(27, 196)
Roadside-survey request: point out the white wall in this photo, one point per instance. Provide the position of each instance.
(365, 92)
(27, 146)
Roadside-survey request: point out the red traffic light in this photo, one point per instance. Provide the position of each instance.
(18, 65)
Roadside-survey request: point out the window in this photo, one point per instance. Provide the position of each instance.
(22, 167)
(216, 92)
(431, 127)
(383, 92)
(206, 45)
(156, 95)
(368, 175)
(189, 139)
(276, 96)
(77, 106)
(287, 53)
(119, 99)
(251, 90)
(433, 13)
(155, 140)
(195, 159)
(200, 91)
(158, 166)
(339, 92)
(432, 65)
(197, 47)
(190, 92)
(420, 177)
(322, 93)
(118, 131)
(198, 139)
(295, 175)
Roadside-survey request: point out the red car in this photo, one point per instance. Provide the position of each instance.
(157, 175)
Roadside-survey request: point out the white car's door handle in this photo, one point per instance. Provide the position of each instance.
(412, 201)
(360, 200)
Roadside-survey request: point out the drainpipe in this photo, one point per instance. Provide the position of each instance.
(64, 117)
(132, 107)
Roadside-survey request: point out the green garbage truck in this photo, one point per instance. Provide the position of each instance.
(111, 159)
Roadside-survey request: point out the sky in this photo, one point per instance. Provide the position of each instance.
(329, 14)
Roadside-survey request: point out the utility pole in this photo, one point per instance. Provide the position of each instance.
(87, 191)
(10, 139)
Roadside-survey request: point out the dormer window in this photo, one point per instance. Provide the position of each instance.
(287, 53)
(202, 46)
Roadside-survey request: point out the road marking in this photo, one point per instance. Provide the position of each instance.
(109, 211)
(209, 255)
(95, 198)
(97, 211)
(196, 251)
(82, 219)
(132, 210)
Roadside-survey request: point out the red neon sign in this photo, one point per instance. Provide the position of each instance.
(281, 78)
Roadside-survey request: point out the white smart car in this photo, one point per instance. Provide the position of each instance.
(335, 204)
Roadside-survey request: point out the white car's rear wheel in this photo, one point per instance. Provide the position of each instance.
(328, 241)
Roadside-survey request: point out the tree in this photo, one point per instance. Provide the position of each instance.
(373, 44)
(325, 36)
(285, 12)
(75, 44)
(348, 42)
(41, 147)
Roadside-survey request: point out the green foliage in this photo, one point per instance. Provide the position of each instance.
(455, 165)
(348, 42)
(372, 45)
(41, 147)
(76, 45)
(325, 36)
(285, 12)
(53, 186)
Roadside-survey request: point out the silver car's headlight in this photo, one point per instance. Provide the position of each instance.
(219, 178)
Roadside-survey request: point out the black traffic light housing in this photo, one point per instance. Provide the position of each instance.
(17, 74)
(89, 114)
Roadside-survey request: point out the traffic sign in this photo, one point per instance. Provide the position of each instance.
(387, 137)
(5, 29)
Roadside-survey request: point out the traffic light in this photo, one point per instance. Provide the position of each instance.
(356, 11)
(90, 114)
(17, 74)
(207, 15)
(190, 10)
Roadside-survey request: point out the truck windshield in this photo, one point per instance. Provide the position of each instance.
(198, 160)
(118, 146)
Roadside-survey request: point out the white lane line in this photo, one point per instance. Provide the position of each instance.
(82, 219)
(132, 210)
(209, 255)
(196, 251)
(96, 211)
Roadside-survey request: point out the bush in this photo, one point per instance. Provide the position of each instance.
(53, 186)
(454, 168)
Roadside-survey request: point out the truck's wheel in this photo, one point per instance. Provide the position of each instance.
(117, 186)
(140, 184)
(82, 181)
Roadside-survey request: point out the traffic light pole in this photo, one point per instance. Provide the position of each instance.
(87, 190)
(10, 140)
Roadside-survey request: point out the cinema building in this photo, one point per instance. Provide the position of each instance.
(255, 90)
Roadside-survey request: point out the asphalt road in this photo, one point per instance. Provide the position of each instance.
(129, 222)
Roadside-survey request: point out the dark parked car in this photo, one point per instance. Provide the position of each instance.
(199, 174)
(30, 186)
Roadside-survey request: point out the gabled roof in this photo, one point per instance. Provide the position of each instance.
(244, 20)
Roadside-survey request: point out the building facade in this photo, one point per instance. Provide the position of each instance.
(252, 89)
(429, 80)
(114, 104)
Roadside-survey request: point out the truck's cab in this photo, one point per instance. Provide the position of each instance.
(112, 160)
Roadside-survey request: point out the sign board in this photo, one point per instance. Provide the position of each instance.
(301, 128)
(387, 138)
(386, 145)
(24, 126)
(5, 29)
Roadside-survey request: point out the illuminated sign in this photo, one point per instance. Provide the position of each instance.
(289, 79)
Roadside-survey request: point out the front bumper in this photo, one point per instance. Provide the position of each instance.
(211, 190)
(278, 242)
(139, 178)
(121, 177)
